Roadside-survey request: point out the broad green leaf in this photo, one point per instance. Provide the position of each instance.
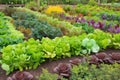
(5, 67)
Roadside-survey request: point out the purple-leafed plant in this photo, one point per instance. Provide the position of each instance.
(108, 60)
(95, 24)
(21, 75)
(93, 60)
(101, 55)
(98, 58)
(115, 56)
(75, 61)
(105, 58)
(114, 29)
(91, 22)
(63, 70)
(104, 16)
(109, 17)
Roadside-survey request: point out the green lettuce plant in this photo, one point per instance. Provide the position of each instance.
(8, 34)
(26, 55)
(116, 41)
(89, 45)
(102, 39)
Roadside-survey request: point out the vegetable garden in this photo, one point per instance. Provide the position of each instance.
(60, 40)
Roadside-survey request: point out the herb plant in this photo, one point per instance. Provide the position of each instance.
(86, 72)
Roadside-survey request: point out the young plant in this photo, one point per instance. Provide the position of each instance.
(47, 76)
(104, 72)
(63, 70)
(21, 76)
(89, 45)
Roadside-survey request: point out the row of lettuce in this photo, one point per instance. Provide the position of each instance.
(29, 54)
(8, 34)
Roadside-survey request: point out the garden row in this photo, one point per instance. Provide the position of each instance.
(8, 34)
(83, 71)
(88, 17)
(29, 54)
(66, 27)
(94, 12)
(74, 70)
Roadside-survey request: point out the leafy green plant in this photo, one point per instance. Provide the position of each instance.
(116, 41)
(76, 44)
(26, 55)
(38, 28)
(66, 27)
(86, 72)
(85, 26)
(102, 39)
(92, 2)
(92, 11)
(67, 8)
(8, 34)
(90, 46)
(57, 47)
(31, 4)
(47, 76)
(31, 53)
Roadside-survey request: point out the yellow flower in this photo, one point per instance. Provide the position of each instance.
(55, 9)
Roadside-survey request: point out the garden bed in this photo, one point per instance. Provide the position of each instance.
(76, 42)
(50, 65)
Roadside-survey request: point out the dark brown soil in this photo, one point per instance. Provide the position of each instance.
(49, 65)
